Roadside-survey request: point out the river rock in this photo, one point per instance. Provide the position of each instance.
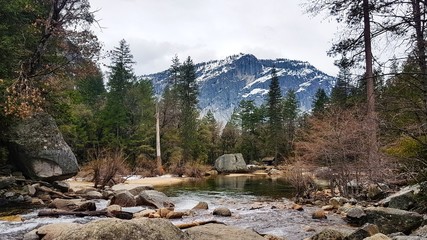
(421, 232)
(51, 231)
(38, 149)
(144, 213)
(175, 215)
(355, 216)
(86, 206)
(222, 211)
(135, 229)
(231, 163)
(367, 230)
(114, 208)
(153, 198)
(61, 186)
(328, 234)
(137, 190)
(29, 190)
(164, 211)
(72, 205)
(93, 195)
(220, 232)
(124, 199)
(390, 220)
(378, 236)
(336, 202)
(64, 204)
(201, 206)
(404, 237)
(5, 182)
(319, 214)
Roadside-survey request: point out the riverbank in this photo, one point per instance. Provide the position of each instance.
(132, 182)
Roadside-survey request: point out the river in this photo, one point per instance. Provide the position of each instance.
(256, 202)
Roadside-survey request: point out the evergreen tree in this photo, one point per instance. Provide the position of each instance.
(341, 91)
(320, 101)
(116, 119)
(187, 92)
(290, 115)
(274, 113)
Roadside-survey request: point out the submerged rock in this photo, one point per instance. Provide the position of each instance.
(231, 163)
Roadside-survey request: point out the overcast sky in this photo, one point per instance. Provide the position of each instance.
(214, 29)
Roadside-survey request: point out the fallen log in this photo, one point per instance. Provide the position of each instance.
(104, 213)
(194, 224)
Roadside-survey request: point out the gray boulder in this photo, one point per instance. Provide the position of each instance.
(391, 220)
(136, 229)
(367, 230)
(231, 163)
(356, 216)
(124, 199)
(421, 232)
(328, 234)
(154, 199)
(220, 232)
(38, 149)
(222, 211)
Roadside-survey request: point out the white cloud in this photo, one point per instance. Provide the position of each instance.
(213, 29)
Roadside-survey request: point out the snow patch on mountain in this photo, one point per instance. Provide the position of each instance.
(224, 83)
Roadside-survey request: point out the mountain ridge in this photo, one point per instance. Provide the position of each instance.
(224, 83)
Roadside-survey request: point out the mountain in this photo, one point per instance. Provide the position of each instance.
(224, 83)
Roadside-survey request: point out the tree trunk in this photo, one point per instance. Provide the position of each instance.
(158, 152)
(372, 123)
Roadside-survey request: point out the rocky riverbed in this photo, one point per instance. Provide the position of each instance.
(66, 214)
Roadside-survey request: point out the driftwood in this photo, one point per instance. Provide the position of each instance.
(105, 213)
(194, 224)
(48, 190)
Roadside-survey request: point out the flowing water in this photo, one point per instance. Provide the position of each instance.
(256, 202)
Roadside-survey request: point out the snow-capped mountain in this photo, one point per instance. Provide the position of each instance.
(224, 83)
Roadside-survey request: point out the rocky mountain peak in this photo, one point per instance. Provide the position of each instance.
(224, 83)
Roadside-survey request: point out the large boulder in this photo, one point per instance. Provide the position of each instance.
(391, 220)
(37, 148)
(328, 234)
(51, 231)
(220, 232)
(154, 199)
(231, 163)
(124, 199)
(136, 229)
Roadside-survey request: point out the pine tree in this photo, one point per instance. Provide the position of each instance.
(290, 114)
(320, 101)
(116, 116)
(274, 113)
(187, 92)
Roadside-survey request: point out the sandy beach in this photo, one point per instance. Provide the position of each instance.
(132, 182)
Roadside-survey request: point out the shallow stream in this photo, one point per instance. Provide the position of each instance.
(256, 202)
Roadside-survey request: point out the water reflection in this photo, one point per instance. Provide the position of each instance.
(261, 186)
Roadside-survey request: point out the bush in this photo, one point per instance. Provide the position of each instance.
(108, 166)
(194, 169)
(146, 166)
